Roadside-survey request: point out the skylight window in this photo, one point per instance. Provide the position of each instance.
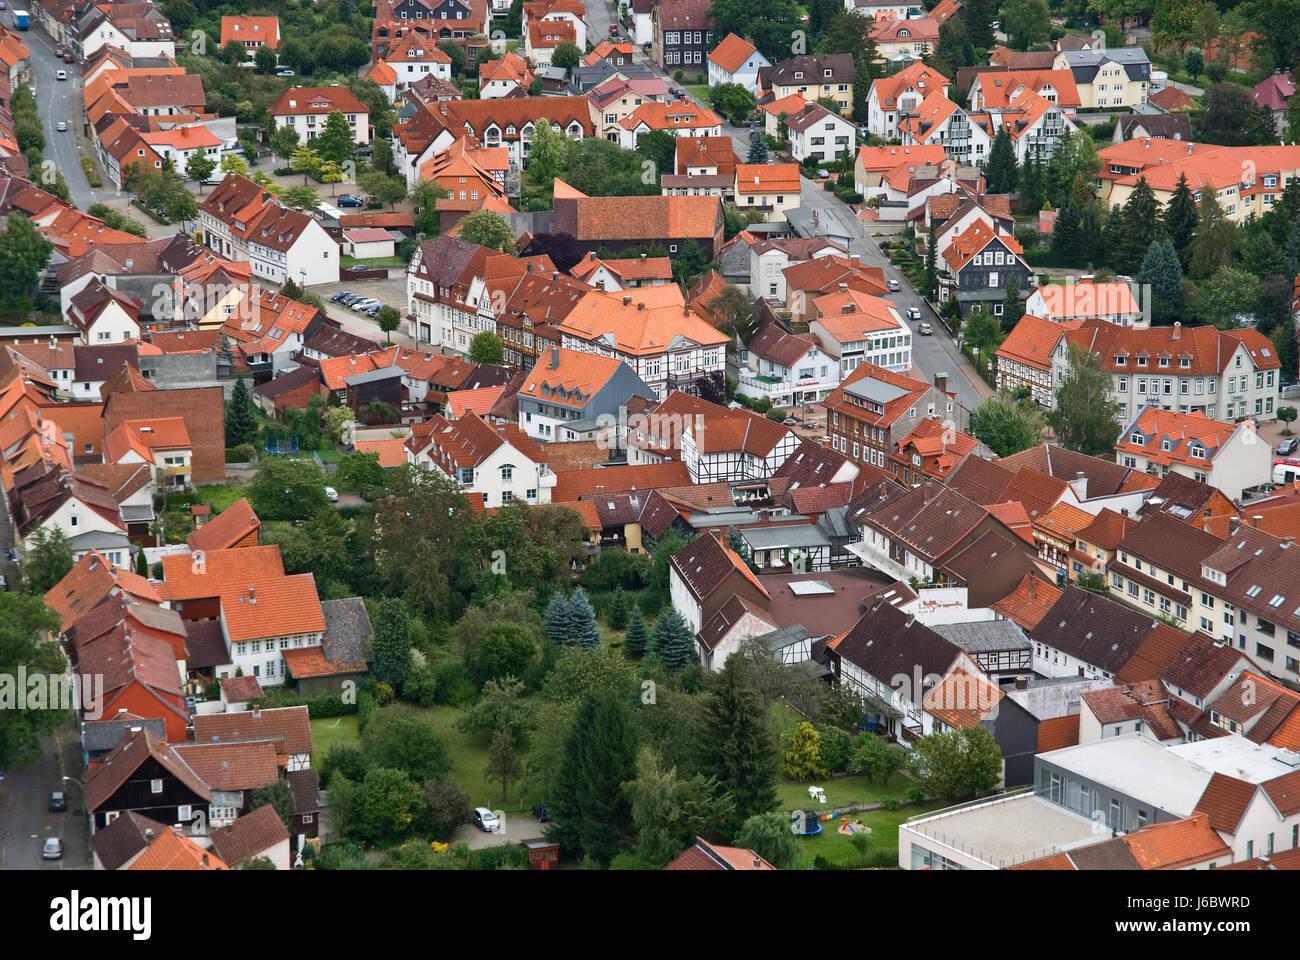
(1253, 591)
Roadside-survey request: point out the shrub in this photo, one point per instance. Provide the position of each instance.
(677, 75)
(914, 796)
(836, 748)
(452, 684)
(893, 803)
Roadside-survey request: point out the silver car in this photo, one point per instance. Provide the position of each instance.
(53, 849)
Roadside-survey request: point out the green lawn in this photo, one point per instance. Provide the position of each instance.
(841, 791)
(833, 845)
(220, 496)
(469, 757)
(371, 262)
(700, 91)
(327, 731)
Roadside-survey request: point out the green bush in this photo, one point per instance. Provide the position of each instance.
(914, 796)
(893, 803)
(836, 748)
(329, 705)
(452, 684)
(507, 857)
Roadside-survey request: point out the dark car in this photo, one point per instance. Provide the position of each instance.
(539, 811)
(58, 802)
(1287, 447)
(339, 296)
(69, 58)
(348, 200)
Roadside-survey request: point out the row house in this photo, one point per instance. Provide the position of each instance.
(995, 89)
(1036, 125)
(682, 34)
(614, 276)
(615, 100)
(162, 443)
(894, 97)
(140, 29)
(1247, 181)
(875, 168)
(570, 13)
(263, 617)
(857, 328)
(1225, 374)
(615, 224)
(1029, 356)
(1086, 299)
(272, 332)
(705, 575)
(936, 120)
(874, 408)
(449, 303)
(502, 122)
(680, 118)
(826, 273)
(243, 222)
(895, 663)
(813, 77)
(788, 369)
(1118, 77)
(542, 37)
(501, 463)
(529, 317)
(506, 77)
(768, 188)
(1229, 457)
(569, 390)
(1248, 598)
(770, 258)
(653, 331)
(305, 110)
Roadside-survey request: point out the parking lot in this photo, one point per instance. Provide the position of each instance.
(391, 291)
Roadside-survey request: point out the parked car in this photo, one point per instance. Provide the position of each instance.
(365, 304)
(823, 174)
(284, 73)
(58, 802)
(331, 495)
(62, 126)
(374, 311)
(350, 298)
(191, 704)
(350, 200)
(53, 849)
(69, 58)
(893, 286)
(486, 820)
(1287, 447)
(61, 75)
(340, 295)
(613, 29)
(539, 811)
(925, 330)
(913, 313)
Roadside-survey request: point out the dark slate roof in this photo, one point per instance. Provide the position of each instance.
(205, 645)
(125, 837)
(291, 380)
(1169, 126)
(338, 343)
(1107, 855)
(305, 786)
(1093, 629)
(1200, 665)
(347, 629)
(887, 642)
(99, 736)
(95, 364)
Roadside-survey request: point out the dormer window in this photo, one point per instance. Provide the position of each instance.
(1138, 440)
(1198, 453)
(798, 74)
(1142, 361)
(1120, 361)
(1166, 445)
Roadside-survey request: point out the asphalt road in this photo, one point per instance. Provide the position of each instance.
(930, 355)
(61, 100)
(25, 820)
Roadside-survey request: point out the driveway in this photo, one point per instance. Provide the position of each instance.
(517, 828)
(25, 820)
(391, 291)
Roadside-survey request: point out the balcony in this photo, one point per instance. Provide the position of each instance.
(177, 470)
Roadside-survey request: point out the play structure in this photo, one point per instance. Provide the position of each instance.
(856, 827)
(805, 823)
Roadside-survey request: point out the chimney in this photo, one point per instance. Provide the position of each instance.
(555, 358)
(1080, 485)
(1254, 521)
(1178, 329)
(844, 288)
(530, 268)
(640, 304)
(205, 859)
(627, 299)
(148, 833)
(941, 382)
(257, 713)
(1022, 683)
(555, 275)
(758, 864)
(1233, 524)
(927, 491)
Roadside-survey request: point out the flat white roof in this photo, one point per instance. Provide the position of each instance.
(1138, 767)
(1235, 756)
(1005, 830)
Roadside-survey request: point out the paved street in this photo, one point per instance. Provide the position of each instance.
(25, 820)
(61, 100)
(930, 355)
